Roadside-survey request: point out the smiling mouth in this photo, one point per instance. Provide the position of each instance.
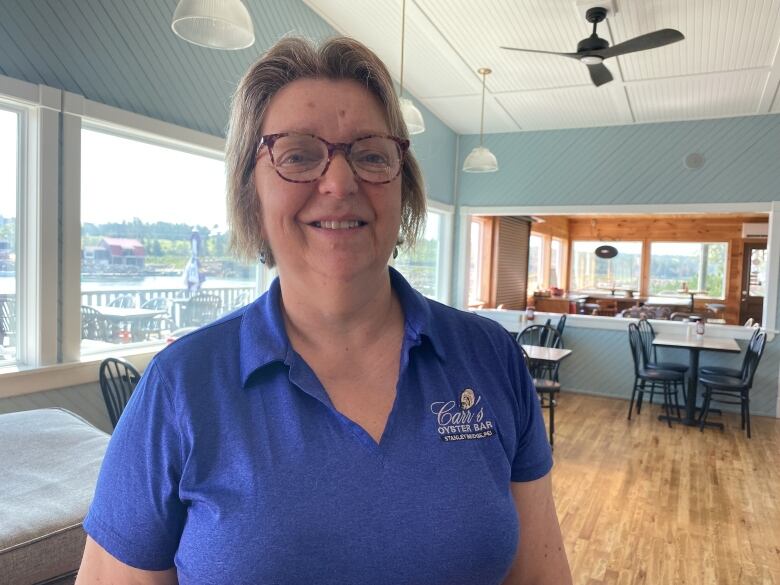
(338, 225)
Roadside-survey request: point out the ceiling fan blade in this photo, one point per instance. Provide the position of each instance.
(570, 55)
(652, 40)
(599, 74)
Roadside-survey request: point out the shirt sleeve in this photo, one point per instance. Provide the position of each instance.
(533, 457)
(136, 514)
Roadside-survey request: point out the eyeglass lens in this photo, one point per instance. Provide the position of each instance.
(299, 157)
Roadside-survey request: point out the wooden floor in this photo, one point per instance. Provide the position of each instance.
(642, 503)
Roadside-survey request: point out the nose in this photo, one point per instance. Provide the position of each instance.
(339, 179)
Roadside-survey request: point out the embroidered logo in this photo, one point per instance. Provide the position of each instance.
(467, 399)
(465, 423)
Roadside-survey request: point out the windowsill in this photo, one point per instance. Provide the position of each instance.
(20, 380)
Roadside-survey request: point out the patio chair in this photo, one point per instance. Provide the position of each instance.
(725, 389)
(559, 327)
(118, 379)
(547, 391)
(123, 302)
(159, 324)
(94, 325)
(202, 308)
(7, 319)
(643, 375)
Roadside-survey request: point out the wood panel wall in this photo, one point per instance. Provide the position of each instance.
(675, 228)
(511, 262)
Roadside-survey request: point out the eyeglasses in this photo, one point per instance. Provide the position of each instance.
(304, 158)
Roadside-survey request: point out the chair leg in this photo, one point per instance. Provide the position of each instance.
(746, 407)
(667, 407)
(677, 400)
(641, 397)
(705, 408)
(633, 395)
(552, 419)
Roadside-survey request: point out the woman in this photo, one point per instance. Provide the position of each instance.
(342, 428)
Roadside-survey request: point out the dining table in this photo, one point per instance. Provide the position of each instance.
(695, 344)
(132, 316)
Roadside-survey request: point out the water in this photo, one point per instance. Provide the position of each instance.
(8, 284)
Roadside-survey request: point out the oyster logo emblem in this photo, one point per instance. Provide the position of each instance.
(467, 399)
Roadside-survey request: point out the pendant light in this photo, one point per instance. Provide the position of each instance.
(480, 159)
(214, 24)
(411, 115)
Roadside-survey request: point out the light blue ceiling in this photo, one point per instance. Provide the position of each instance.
(124, 54)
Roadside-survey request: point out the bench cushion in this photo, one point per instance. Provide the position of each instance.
(51, 459)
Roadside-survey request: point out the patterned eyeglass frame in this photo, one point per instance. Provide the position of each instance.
(346, 147)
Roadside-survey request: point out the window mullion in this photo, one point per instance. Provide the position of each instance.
(39, 233)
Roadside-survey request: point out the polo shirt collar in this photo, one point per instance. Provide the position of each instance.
(263, 339)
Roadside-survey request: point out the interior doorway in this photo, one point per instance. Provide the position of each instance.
(753, 288)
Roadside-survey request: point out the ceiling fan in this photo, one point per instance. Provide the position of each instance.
(593, 50)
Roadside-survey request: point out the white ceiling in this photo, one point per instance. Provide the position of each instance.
(728, 64)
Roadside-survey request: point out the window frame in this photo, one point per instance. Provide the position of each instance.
(594, 290)
(726, 266)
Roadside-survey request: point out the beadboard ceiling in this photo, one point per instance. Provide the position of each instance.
(728, 64)
(124, 54)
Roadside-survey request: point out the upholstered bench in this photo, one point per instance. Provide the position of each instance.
(50, 461)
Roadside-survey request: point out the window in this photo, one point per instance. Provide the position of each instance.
(9, 186)
(535, 263)
(591, 273)
(556, 262)
(421, 265)
(154, 247)
(476, 244)
(677, 266)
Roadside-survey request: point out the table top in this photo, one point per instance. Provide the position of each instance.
(128, 312)
(695, 342)
(546, 354)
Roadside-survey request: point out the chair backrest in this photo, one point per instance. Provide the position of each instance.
(93, 324)
(635, 342)
(118, 379)
(7, 316)
(156, 304)
(541, 335)
(561, 324)
(202, 308)
(753, 356)
(123, 302)
(646, 336)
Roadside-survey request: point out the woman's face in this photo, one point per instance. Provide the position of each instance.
(337, 226)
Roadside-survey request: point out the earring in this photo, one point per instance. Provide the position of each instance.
(263, 255)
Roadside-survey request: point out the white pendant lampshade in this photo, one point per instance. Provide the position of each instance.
(480, 159)
(216, 24)
(412, 116)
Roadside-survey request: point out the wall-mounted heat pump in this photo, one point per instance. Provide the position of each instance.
(755, 230)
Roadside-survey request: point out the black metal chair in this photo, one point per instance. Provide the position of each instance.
(646, 335)
(731, 372)
(7, 319)
(668, 379)
(725, 389)
(559, 327)
(156, 325)
(543, 336)
(118, 379)
(93, 325)
(123, 302)
(202, 308)
(547, 391)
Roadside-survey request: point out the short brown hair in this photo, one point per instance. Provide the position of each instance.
(293, 58)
